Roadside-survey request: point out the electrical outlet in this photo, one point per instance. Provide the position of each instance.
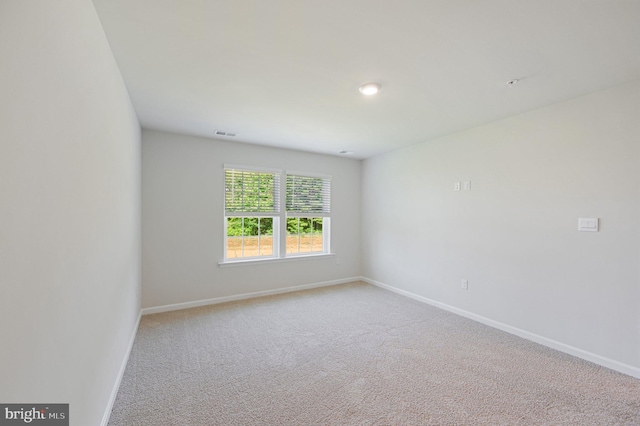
(464, 284)
(456, 186)
(467, 185)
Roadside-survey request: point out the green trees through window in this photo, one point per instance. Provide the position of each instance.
(239, 226)
(251, 192)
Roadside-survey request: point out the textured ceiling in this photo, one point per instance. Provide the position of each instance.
(286, 73)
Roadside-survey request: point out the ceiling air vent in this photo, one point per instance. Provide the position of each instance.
(223, 133)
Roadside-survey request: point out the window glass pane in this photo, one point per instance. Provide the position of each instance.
(247, 191)
(250, 233)
(234, 237)
(304, 235)
(249, 237)
(308, 194)
(293, 235)
(266, 236)
(316, 234)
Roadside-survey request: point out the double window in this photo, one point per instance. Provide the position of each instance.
(257, 227)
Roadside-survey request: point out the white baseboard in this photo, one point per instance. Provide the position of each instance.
(589, 356)
(216, 300)
(123, 366)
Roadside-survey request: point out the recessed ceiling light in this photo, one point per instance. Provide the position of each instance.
(370, 89)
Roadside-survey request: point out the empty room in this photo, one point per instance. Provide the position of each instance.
(294, 212)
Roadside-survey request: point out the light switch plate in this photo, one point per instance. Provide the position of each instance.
(467, 185)
(588, 224)
(456, 186)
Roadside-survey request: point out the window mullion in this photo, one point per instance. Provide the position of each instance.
(282, 240)
(311, 220)
(242, 241)
(259, 252)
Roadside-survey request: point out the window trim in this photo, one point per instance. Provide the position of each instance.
(263, 260)
(275, 215)
(279, 221)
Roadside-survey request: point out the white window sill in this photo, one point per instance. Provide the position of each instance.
(255, 261)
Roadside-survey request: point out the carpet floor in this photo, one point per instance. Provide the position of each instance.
(355, 354)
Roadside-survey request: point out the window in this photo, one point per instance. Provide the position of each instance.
(252, 208)
(308, 206)
(253, 215)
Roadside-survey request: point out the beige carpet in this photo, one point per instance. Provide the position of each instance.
(355, 354)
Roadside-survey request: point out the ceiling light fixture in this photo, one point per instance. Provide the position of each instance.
(370, 89)
(345, 152)
(513, 82)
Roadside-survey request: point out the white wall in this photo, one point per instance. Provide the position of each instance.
(514, 235)
(182, 220)
(69, 209)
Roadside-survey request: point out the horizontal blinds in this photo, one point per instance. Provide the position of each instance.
(308, 196)
(251, 192)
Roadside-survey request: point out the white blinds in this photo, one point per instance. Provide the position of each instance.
(251, 193)
(308, 196)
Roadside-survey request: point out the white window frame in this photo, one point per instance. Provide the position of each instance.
(275, 215)
(326, 222)
(279, 221)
